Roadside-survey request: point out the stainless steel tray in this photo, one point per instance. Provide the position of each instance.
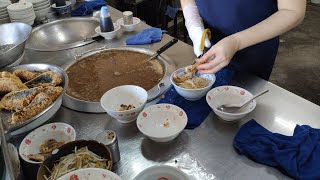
(63, 34)
(45, 114)
(95, 107)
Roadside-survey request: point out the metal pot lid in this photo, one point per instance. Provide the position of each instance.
(63, 34)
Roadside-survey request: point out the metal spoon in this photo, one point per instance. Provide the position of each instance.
(230, 108)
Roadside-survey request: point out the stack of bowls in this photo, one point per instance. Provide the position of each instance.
(4, 16)
(41, 8)
(22, 12)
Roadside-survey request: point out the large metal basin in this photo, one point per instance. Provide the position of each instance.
(16, 34)
(168, 67)
(63, 34)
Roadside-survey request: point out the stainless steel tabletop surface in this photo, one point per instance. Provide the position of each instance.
(210, 143)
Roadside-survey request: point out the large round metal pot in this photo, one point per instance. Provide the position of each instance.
(15, 34)
(95, 107)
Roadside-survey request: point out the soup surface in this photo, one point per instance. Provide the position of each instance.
(91, 77)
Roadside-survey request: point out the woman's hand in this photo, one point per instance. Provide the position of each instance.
(219, 55)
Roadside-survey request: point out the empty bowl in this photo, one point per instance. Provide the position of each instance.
(230, 95)
(91, 173)
(193, 94)
(129, 27)
(62, 9)
(31, 143)
(108, 35)
(161, 172)
(132, 95)
(162, 122)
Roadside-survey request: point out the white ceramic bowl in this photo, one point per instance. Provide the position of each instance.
(31, 143)
(230, 95)
(5, 20)
(127, 94)
(162, 122)
(193, 94)
(43, 6)
(108, 35)
(91, 173)
(160, 171)
(4, 16)
(129, 27)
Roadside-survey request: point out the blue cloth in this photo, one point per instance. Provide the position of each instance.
(86, 8)
(228, 17)
(197, 111)
(297, 155)
(146, 36)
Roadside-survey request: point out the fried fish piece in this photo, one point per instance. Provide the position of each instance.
(53, 92)
(17, 100)
(26, 75)
(6, 74)
(38, 104)
(45, 79)
(10, 84)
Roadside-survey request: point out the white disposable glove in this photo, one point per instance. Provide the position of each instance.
(195, 28)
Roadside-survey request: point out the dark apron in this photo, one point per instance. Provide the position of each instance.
(226, 17)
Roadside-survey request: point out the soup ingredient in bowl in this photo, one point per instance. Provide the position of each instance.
(194, 83)
(81, 158)
(45, 149)
(124, 107)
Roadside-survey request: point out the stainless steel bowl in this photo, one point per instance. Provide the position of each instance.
(13, 33)
(46, 114)
(63, 34)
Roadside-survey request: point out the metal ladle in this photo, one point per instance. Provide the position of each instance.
(231, 108)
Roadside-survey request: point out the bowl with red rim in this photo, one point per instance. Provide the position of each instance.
(57, 131)
(230, 95)
(90, 173)
(162, 122)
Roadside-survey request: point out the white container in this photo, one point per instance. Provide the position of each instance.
(162, 122)
(109, 35)
(230, 95)
(129, 27)
(128, 95)
(193, 94)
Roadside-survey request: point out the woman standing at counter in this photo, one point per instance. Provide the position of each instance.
(245, 32)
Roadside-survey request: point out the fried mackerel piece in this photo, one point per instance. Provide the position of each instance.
(53, 92)
(17, 100)
(38, 104)
(26, 75)
(9, 82)
(45, 79)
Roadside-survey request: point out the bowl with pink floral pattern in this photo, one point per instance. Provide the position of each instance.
(162, 122)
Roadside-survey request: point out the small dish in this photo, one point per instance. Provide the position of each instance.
(193, 94)
(91, 173)
(230, 95)
(161, 172)
(109, 35)
(112, 100)
(129, 27)
(162, 122)
(31, 143)
(62, 9)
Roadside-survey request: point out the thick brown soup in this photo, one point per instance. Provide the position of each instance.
(91, 77)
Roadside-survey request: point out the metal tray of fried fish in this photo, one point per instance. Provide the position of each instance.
(44, 115)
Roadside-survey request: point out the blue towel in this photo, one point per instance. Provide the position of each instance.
(197, 111)
(297, 155)
(147, 36)
(86, 8)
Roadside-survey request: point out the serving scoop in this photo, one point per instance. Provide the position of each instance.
(231, 108)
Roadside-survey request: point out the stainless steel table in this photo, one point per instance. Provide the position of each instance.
(210, 144)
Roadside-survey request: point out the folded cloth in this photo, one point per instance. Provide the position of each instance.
(297, 155)
(146, 36)
(86, 8)
(197, 111)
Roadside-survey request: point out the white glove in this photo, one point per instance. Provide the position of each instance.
(195, 28)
